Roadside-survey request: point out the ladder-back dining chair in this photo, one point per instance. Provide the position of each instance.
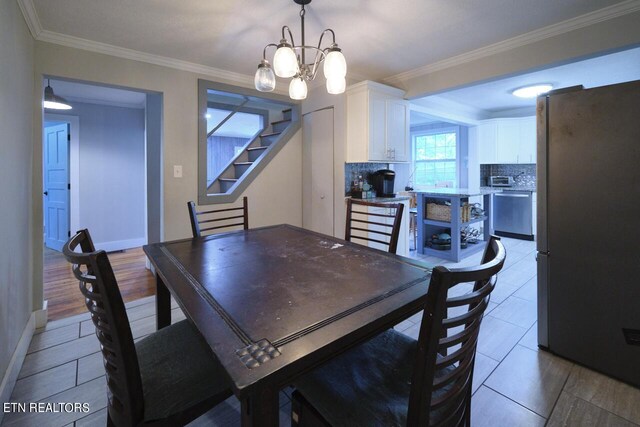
(168, 378)
(380, 225)
(205, 222)
(394, 380)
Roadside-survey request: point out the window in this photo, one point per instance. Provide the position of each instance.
(435, 154)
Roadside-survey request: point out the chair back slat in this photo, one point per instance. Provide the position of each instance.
(382, 236)
(213, 215)
(447, 341)
(104, 302)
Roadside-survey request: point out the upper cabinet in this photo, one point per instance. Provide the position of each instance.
(507, 140)
(377, 124)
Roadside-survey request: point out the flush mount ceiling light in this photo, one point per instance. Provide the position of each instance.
(532, 91)
(53, 101)
(289, 61)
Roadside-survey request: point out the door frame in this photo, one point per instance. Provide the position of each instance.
(74, 162)
(333, 165)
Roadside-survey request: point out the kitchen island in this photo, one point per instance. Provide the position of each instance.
(431, 224)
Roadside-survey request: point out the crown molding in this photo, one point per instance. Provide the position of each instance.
(448, 110)
(31, 17)
(121, 52)
(513, 112)
(33, 22)
(591, 18)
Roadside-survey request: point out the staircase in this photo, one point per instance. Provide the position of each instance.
(256, 154)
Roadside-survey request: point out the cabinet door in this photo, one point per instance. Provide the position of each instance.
(397, 130)
(508, 141)
(527, 149)
(487, 134)
(377, 127)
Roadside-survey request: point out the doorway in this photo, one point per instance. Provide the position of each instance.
(56, 141)
(318, 172)
(110, 184)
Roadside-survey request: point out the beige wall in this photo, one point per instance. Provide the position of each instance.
(274, 196)
(16, 112)
(613, 34)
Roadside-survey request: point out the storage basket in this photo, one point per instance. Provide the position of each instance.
(443, 212)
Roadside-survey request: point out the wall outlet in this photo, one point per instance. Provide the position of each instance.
(177, 171)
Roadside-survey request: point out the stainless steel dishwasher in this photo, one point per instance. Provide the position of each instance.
(513, 214)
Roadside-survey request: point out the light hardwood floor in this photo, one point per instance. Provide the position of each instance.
(61, 287)
(515, 384)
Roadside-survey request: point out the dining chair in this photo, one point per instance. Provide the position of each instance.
(211, 217)
(394, 380)
(385, 230)
(168, 378)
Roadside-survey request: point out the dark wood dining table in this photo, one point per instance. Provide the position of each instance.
(275, 302)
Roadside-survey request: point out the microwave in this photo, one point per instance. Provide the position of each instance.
(501, 181)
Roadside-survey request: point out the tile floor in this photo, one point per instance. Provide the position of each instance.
(514, 385)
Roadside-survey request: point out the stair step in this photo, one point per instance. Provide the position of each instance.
(241, 168)
(280, 125)
(255, 152)
(267, 138)
(286, 114)
(226, 184)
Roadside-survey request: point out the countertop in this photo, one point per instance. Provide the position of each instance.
(457, 192)
(384, 199)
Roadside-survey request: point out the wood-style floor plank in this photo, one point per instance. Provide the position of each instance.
(61, 287)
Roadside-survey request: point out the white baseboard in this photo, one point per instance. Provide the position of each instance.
(15, 364)
(42, 316)
(120, 245)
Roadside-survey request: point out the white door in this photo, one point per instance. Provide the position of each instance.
(56, 185)
(317, 171)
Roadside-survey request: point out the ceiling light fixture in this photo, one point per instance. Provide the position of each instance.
(53, 101)
(532, 91)
(289, 61)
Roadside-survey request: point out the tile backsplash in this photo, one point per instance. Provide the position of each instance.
(524, 174)
(353, 170)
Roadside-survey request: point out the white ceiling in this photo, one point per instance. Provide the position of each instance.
(93, 94)
(495, 97)
(380, 38)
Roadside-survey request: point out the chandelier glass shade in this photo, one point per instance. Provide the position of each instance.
(289, 61)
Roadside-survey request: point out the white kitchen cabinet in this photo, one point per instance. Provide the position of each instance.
(487, 134)
(506, 140)
(377, 124)
(527, 140)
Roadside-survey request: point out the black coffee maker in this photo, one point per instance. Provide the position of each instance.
(383, 181)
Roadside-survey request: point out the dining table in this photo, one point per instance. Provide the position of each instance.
(275, 302)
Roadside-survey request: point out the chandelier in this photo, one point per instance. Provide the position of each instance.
(289, 61)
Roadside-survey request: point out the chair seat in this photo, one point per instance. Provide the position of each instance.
(178, 371)
(367, 386)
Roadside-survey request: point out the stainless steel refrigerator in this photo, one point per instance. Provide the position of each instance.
(589, 227)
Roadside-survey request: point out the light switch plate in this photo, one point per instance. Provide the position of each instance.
(177, 171)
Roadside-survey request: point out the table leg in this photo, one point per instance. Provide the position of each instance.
(163, 304)
(261, 409)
